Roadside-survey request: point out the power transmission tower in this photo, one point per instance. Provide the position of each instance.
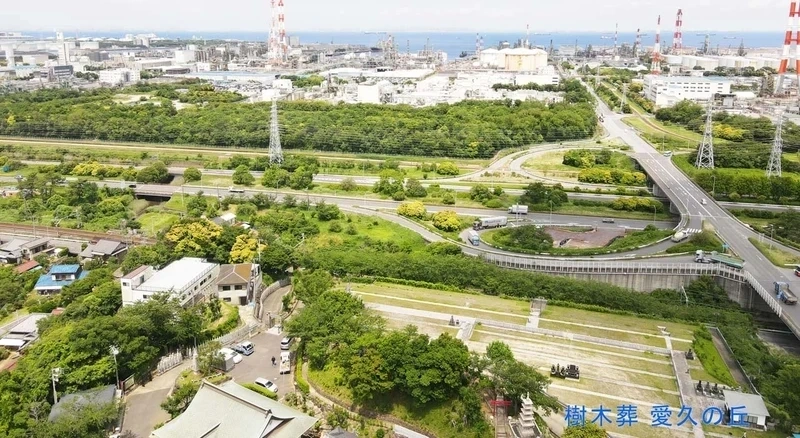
(774, 166)
(624, 100)
(705, 155)
(275, 151)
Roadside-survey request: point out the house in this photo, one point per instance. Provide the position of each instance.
(58, 277)
(231, 410)
(97, 396)
(103, 250)
(30, 265)
(34, 247)
(754, 407)
(24, 330)
(238, 283)
(188, 279)
(11, 251)
(225, 219)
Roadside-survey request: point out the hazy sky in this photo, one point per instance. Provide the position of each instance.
(405, 15)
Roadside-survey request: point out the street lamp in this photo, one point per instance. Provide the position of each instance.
(713, 185)
(114, 350)
(551, 212)
(55, 373)
(654, 215)
(771, 234)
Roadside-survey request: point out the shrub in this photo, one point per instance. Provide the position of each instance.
(335, 227)
(448, 199)
(447, 168)
(261, 390)
(192, 174)
(399, 195)
(446, 221)
(413, 209)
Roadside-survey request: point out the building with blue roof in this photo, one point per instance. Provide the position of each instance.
(58, 277)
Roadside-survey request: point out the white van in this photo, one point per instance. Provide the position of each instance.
(287, 342)
(235, 190)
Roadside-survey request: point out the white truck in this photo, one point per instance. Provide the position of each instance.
(286, 362)
(518, 209)
(490, 222)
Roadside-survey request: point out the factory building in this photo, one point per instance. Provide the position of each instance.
(152, 64)
(378, 92)
(521, 59)
(185, 56)
(118, 76)
(666, 91)
(90, 45)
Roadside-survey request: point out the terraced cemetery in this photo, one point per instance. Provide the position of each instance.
(622, 359)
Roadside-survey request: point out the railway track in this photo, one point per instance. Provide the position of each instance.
(56, 232)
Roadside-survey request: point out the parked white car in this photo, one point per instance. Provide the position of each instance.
(264, 383)
(227, 352)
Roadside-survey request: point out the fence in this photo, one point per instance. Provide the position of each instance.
(240, 333)
(575, 336)
(169, 362)
(266, 292)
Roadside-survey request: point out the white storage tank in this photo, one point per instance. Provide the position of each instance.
(673, 59)
(489, 57)
(521, 59)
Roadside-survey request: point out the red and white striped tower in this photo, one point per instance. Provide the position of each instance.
(478, 46)
(677, 38)
(792, 36)
(637, 45)
(655, 68)
(277, 33)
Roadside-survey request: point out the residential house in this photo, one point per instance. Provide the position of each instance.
(751, 405)
(103, 250)
(188, 279)
(57, 277)
(21, 332)
(231, 410)
(30, 265)
(338, 432)
(93, 397)
(11, 251)
(238, 283)
(34, 247)
(225, 219)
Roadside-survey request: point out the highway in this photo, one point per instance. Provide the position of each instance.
(689, 199)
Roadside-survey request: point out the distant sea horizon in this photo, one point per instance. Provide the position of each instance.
(453, 43)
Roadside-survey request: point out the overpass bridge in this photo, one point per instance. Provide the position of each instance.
(695, 206)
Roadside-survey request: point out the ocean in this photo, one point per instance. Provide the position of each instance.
(453, 43)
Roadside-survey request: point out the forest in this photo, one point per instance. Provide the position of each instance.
(466, 129)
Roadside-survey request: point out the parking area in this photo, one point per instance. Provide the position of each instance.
(259, 364)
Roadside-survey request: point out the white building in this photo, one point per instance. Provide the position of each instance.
(749, 404)
(666, 91)
(152, 64)
(374, 93)
(690, 62)
(239, 283)
(118, 76)
(489, 58)
(35, 59)
(185, 56)
(552, 79)
(282, 84)
(521, 59)
(90, 45)
(188, 279)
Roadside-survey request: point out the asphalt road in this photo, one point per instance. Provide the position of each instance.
(688, 197)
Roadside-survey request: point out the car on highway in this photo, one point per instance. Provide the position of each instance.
(265, 383)
(227, 353)
(704, 201)
(235, 190)
(246, 348)
(608, 220)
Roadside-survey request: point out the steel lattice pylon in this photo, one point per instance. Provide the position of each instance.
(705, 155)
(275, 151)
(774, 166)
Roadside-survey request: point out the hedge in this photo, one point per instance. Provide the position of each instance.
(261, 390)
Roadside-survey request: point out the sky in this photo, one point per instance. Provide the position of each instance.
(396, 16)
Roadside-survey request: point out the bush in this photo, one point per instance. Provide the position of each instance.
(413, 209)
(335, 227)
(231, 322)
(399, 195)
(446, 221)
(712, 362)
(448, 199)
(191, 174)
(447, 168)
(529, 237)
(243, 176)
(261, 390)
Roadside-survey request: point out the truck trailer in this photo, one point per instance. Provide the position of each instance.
(474, 238)
(490, 222)
(784, 293)
(518, 209)
(727, 260)
(286, 362)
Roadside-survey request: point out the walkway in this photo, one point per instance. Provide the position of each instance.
(689, 397)
(143, 405)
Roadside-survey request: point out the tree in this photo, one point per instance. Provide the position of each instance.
(348, 185)
(588, 430)
(193, 237)
(82, 192)
(191, 174)
(446, 220)
(414, 189)
(78, 420)
(154, 173)
(275, 177)
(447, 168)
(246, 212)
(480, 193)
(413, 209)
(245, 249)
(276, 258)
(208, 358)
(308, 285)
(243, 176)
(515, 379)
(538, 193)
(327, 212)
(176, 403)
(389, 183)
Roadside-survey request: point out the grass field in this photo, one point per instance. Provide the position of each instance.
(624, 322)
(549, 164)
(155, 222)
(775, 255)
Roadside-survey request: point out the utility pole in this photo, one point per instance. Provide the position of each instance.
(55, 373)
(275, 151)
